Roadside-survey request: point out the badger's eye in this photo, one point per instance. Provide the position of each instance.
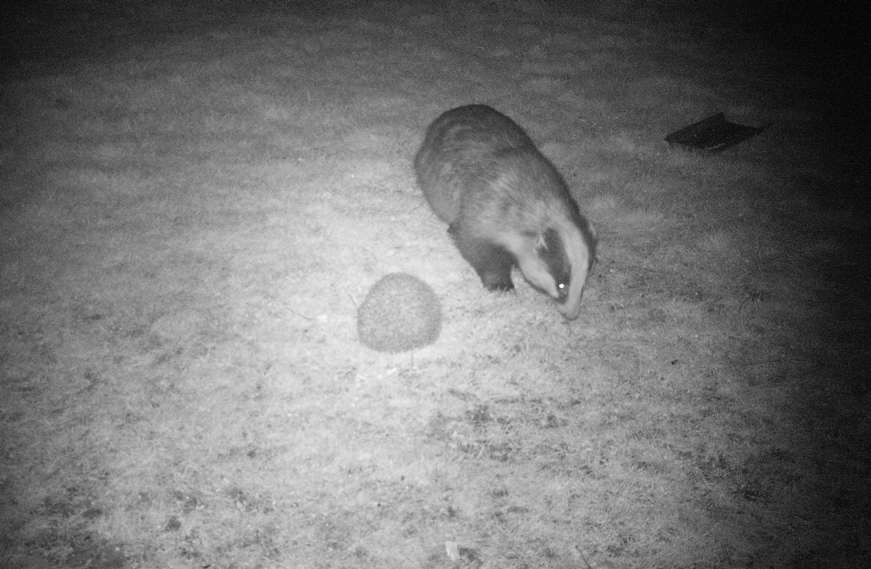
(562, 290)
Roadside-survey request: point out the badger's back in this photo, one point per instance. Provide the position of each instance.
(517, 191)
(478, 164)
(464, 150)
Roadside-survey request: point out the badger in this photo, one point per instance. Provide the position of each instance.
(505, 204)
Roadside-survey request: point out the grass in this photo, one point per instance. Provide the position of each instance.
(194, 202)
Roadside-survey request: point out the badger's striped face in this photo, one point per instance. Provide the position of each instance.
(553, 254)
(558, 265)
(545, 265)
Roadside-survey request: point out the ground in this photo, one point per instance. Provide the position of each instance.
(194, 201)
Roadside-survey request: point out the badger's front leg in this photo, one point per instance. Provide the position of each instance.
(492, 262)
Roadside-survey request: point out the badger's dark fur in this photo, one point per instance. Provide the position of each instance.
(505, 204)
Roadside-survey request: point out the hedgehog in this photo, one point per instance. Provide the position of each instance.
(400, 313)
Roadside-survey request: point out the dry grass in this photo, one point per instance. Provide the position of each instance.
(190, 218)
